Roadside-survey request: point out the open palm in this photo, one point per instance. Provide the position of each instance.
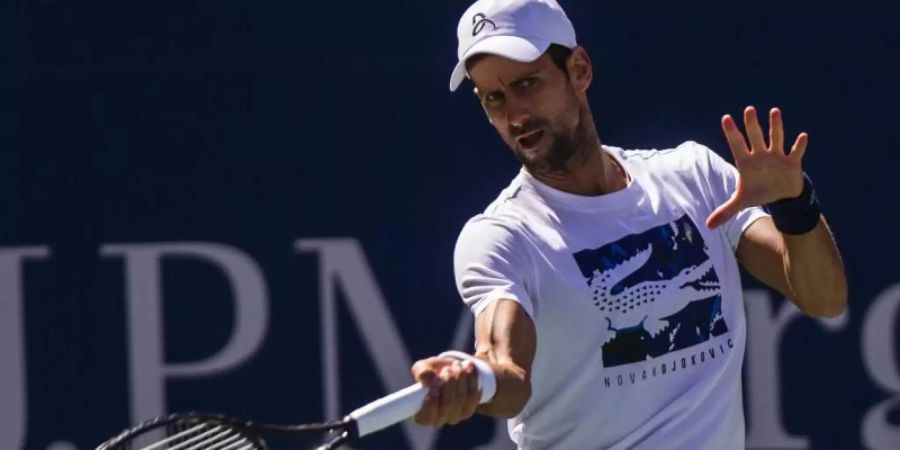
(765, 172)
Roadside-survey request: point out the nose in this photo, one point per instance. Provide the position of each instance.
(517, 111)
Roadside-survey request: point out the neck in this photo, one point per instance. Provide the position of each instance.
(596, 173)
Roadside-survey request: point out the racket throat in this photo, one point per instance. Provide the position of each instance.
(340, 437)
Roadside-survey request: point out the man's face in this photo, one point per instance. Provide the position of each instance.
(535, 108)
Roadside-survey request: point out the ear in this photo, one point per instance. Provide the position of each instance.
(581, 72)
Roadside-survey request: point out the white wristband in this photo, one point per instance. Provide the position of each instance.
(487, 381)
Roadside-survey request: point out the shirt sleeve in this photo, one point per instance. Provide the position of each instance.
(490, 263)
(722, 178)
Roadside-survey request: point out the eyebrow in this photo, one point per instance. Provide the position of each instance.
(526, 76)
(511, 83)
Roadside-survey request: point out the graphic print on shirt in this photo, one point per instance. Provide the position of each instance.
(657, 292)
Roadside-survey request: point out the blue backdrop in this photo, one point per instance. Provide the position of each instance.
(205, 203)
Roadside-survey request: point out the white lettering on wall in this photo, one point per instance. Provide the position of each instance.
(766, 326)
(879, 350)
(13, 385)
(143, 267)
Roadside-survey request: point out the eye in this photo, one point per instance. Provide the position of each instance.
(493, 98)
(526, 82)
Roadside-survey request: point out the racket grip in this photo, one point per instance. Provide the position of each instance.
(389, 409)
(406, 402)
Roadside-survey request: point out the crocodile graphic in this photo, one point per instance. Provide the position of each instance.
(656, 291)
(637, 304)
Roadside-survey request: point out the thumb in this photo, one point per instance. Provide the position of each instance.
(724, 212)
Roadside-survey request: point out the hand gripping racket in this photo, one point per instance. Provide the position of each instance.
(202, 431)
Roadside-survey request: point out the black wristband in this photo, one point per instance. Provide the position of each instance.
(796, 215)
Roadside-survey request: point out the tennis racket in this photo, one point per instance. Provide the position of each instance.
(203, 431)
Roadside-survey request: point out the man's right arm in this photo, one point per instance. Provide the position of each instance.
(506, 339)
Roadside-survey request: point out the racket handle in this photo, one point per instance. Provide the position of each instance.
(406, 402)
(389, 409)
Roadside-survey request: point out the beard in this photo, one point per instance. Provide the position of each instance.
(565, 144)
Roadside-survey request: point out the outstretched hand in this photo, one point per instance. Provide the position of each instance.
(765, 172)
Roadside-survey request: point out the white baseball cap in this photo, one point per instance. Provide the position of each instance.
(520, 30)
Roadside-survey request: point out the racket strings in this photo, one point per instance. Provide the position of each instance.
(215, 432)
(202, 436)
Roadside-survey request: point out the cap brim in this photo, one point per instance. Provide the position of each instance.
(512, 47)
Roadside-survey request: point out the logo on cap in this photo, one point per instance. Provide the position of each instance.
(479, 21)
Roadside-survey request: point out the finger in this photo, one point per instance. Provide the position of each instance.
(754, 130)
(472, 395)
(799, 148)
(461, 391)
(428, 412)
(776, 131)
(425, 370)
(735, 138)
(724, 212)
(447, 397)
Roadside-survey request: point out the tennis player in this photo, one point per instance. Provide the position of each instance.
(605, 282)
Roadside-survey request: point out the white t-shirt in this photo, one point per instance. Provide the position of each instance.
(637, 304)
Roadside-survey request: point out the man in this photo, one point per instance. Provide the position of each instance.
(605, 282)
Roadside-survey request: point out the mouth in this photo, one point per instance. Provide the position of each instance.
(530, 140)
(708, 282)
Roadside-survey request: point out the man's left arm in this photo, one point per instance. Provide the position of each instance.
(806, 268)
(795, 253)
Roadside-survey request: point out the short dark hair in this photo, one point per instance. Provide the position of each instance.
(558, 53)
